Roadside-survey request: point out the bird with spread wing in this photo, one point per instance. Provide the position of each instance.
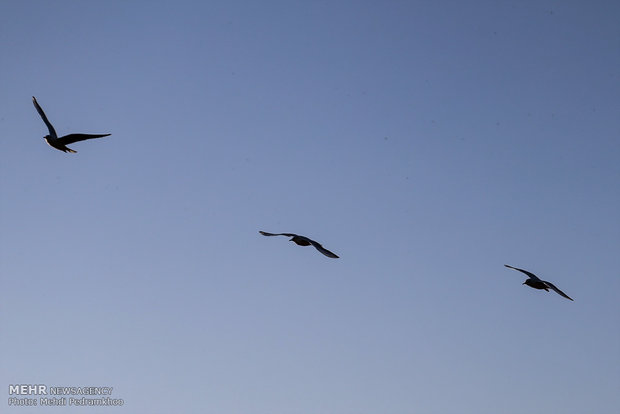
(535, 282)
(303, 241)
(61, 143)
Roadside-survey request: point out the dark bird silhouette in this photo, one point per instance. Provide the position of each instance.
(302, 241)
(61, 143)
(536, 283)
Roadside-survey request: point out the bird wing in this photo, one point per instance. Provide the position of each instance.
(47, 122)
(71, 138)
(530, 274)
(558, 291)
(323, 249)
(264, 233)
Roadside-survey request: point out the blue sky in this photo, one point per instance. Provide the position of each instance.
(427, 143)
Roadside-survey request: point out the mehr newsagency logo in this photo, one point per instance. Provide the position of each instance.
(44, 395)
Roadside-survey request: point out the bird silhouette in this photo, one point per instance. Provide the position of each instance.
(536, 283)
(302, 241)
(61, 143)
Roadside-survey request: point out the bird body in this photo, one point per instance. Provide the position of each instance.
(535, 282)
(61, 143)
(303, 241)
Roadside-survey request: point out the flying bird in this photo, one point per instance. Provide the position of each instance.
(536, 283)
(61, 143)
(303, 241)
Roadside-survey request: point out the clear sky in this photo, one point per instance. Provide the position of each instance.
(427, 143)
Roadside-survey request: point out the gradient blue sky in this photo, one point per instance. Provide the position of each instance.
(427, 143)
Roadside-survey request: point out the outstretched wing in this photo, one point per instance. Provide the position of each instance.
(47, 122)
(323, 250)
(71, 138)
(558, 291)
(530, 274)
(264, 233)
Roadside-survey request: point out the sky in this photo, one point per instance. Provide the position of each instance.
(427, 143)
